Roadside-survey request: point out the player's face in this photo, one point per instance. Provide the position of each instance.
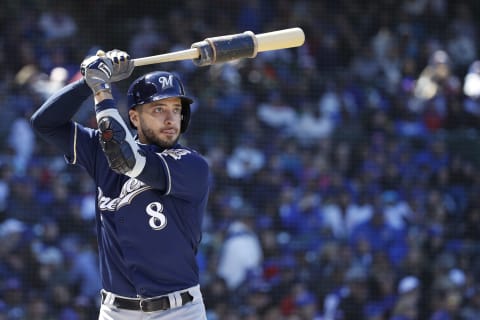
(158, 122)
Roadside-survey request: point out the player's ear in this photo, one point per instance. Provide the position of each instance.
(133, 115)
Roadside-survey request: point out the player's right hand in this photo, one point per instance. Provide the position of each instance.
(122, 64)
(97, 71)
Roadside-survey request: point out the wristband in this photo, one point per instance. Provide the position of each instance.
(104, 86)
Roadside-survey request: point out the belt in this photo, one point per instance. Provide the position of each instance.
(147, 304)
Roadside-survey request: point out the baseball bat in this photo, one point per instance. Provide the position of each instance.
(230, 47)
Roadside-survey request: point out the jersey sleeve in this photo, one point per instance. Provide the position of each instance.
(182, 173)
(84, 149)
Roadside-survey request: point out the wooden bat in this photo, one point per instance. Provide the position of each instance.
(230, 47)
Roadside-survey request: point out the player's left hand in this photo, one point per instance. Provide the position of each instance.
(122, 64)
(97, 71)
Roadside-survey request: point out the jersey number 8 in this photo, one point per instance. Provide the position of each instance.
(158, 220)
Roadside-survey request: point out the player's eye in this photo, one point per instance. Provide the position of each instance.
(163, 109)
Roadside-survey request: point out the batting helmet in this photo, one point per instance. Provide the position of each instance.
(159, 85)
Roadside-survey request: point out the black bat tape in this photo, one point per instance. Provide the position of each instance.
(225, 48)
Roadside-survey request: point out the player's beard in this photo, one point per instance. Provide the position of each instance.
(151, 138)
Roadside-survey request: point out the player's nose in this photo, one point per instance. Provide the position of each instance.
(169, 117)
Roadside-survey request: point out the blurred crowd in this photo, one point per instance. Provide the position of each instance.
(346, 172)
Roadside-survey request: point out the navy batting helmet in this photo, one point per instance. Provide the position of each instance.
(159, 85)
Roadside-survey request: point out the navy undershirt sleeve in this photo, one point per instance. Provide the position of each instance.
(105, 104)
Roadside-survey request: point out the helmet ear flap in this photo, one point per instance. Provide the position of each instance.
(185, 117)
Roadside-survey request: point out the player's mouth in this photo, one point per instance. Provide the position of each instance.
(169, 132)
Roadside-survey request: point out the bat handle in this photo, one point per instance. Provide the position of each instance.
(187, 54)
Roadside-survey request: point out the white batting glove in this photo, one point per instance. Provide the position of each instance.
(97, 71)
(122, 64)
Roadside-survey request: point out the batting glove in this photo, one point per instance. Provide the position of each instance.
(122, 65)
(97, 71)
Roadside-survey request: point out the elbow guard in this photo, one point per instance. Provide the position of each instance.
(123, 154)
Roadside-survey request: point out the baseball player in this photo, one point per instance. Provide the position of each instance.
(151, 191)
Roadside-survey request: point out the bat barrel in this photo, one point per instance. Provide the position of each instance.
(281, 39)
(245, 45)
